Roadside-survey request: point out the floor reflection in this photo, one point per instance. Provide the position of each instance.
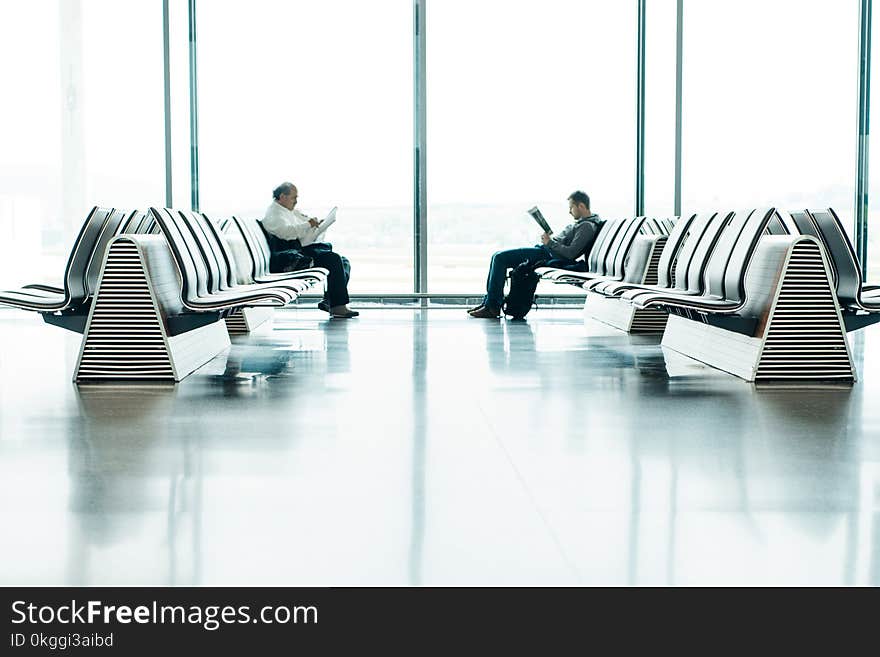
(418, 448)
(134, 478)
(421, 420)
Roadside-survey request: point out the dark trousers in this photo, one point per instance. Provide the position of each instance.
(337, 282)
(504, 260)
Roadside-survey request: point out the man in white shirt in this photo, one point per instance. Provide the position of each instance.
(286, 223)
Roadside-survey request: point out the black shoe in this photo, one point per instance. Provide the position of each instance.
(345, 315)
(324, 305)
(486, 313)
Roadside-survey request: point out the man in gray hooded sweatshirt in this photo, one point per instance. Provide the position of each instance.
(564, 249)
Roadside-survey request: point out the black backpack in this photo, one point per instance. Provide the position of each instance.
(521, 297)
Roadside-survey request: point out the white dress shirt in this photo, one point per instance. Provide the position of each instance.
(287, 224)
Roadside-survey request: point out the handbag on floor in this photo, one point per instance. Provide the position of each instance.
(520, 298)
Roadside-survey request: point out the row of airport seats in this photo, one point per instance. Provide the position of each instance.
(148, 289)
(625, 251)
(67, 306)
(761, 294)
(156, 294)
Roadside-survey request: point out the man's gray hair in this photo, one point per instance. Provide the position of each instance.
(283, 188)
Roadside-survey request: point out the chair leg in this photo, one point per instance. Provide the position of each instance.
(246, 320)
(125, 337)
(802, 335)
(805, 337)
(623, 315)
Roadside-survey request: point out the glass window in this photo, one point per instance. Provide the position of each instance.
(527, 102)
(123, 103)
(874, 155)
(319, 94)
(178, 51)
(81, 124)
(660, 25)
(770, 105)
(32, 116)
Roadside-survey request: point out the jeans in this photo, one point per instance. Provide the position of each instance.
(504, 260)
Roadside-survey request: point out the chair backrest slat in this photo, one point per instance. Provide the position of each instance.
(600, 246)
(132, 223)
(624, 240)
(217, 273)
(671, 250)
(650, 226)
(145, 225)
(245, 262)
(111, 228)
(716, 264)
(256, 240)
(804, 223)
(75, 273)
(193, 268)
(702, 251)
(682, 263)
(777, 225)
(742, 252)
(606, 259)
(841, 253)
(224, 250)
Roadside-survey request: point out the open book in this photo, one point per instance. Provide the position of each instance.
(315, 233)
(539, 219)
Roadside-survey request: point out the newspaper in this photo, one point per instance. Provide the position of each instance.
(313, 235)
(539, 219)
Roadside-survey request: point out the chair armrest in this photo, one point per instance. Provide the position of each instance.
(44, 288)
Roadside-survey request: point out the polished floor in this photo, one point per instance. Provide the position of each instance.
(416, 447)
